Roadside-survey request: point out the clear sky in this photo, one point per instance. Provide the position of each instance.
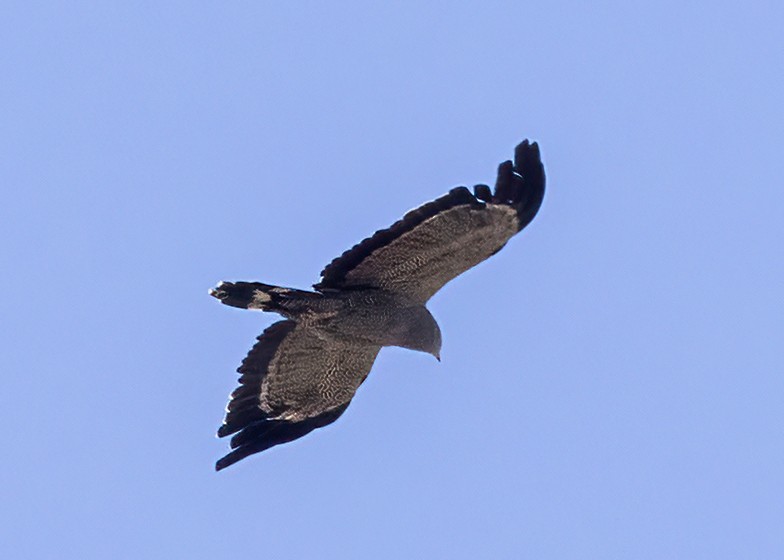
(612, 383)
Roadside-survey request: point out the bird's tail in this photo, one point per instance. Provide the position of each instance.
(255, 295)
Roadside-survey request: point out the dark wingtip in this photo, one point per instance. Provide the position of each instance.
(228, 460)
(483, 193)
(521, 184)
(505, 183)
(268, 433)
(224, 431)
(528, 165)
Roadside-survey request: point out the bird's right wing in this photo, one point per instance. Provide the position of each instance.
(294, 380)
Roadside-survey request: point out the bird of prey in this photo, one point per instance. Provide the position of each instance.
(304, 370)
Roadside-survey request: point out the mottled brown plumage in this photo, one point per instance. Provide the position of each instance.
(303, 371)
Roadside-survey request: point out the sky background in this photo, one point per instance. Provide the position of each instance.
(612, 383)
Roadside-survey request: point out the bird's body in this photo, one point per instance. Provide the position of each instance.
(372, 316)
(304, 371)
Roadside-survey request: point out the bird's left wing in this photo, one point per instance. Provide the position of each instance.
(431, 245)
(294, 380)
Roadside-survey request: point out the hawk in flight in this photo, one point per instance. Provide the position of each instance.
(304, 370)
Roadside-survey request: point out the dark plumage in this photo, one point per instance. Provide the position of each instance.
(303, 371)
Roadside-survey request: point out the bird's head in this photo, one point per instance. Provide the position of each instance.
(423, 333)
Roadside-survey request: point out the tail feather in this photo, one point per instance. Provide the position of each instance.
(255, 295)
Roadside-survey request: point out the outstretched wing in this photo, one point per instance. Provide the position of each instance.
(431, 245)
(294, 380)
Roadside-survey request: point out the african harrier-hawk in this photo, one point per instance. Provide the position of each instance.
(303, 371)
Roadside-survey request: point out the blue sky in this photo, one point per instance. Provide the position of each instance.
(612, 382)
